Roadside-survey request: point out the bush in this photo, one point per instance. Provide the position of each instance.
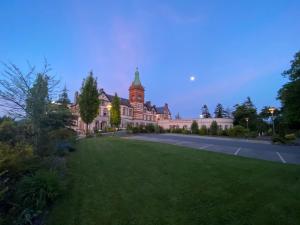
(36, 192)
(214, 128)
(251, 134)
(203, 130)
(185, 131)
(135, 130)
(150, 128)
(8, 132)
(277, 139)
(194, 127)
(290, 137)
(237, 131)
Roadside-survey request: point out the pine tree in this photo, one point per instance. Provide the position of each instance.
(115, 113)
(195, 127)
(219, 111)
(63, 97)
(89, 100)
(205, 112)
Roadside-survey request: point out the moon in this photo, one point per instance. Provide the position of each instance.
(192, 78)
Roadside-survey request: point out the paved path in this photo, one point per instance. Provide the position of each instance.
(238, 147)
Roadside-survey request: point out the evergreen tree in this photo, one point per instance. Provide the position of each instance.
(244, 112)
(63, 97)
(219, 111)
(205, 112)
(37, 105)
(89, 100)
(214, 128)
(115, 113)
(289, 94)
(195, 127)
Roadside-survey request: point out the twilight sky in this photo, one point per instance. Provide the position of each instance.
(234, 49)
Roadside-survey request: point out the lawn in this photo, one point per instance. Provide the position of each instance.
(116, 182)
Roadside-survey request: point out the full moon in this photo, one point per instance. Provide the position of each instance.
(192, 78)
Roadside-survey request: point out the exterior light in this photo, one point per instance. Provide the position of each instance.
(272, 110)
(109, 107)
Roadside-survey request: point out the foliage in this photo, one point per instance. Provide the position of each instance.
(205, 112)
(36, 192)
(150, 128)
(290, 137)
(194, 127)
(64, 98)
(243, 112)
(237, 131)
(277, 139)
(219, 111)
(115, 113)
(289, 94)
(8, 131)
(214, 128)
(203, 130)
(17, 87)
(89, 100)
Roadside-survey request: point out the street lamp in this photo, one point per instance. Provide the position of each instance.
(272, 110)
(109, 108)
(247, 119)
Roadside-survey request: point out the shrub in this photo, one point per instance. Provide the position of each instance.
(8, 132)
(237, 131)
(35, 193)
(251, 134)
(135, 130)
(290, 137)
(277, 139)
(150, 128)
(185, 131)
(39, 190)
(214, 128)
(203, 130)
(194, 127)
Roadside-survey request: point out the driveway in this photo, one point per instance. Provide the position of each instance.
(238, 147)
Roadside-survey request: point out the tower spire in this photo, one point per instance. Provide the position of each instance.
(137, 81)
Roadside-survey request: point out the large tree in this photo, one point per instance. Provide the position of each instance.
(89, 100)
(219, 111)
(205, 112)
(289, 94)
(244, 112)
(115, 113)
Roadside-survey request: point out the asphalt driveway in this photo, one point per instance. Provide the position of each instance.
(238, 147)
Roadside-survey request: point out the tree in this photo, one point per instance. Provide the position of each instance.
(16, 87)
(289, 94)
(244, 112)
(214, 128)
(195, 127)
(115, 113)
(219, 111)
(63, 97)
(89, 100)
(205, 112)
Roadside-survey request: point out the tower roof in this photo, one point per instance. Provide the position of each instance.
(137, 81)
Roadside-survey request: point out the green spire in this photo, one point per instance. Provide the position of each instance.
(137, 81)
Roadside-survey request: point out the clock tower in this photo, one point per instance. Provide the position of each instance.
(137, 97)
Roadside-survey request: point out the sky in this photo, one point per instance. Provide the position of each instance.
(233, 49)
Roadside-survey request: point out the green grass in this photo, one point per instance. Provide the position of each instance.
(115, 181)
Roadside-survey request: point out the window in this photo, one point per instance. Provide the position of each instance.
(123, 110)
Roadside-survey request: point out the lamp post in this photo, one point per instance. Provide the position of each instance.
(109, 108)
(247, 120)
(272, 110)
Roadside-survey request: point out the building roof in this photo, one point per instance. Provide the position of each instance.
(137, 81)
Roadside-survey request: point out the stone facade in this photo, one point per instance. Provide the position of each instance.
(135, 111)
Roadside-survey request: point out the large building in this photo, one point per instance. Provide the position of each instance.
(135, 111)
